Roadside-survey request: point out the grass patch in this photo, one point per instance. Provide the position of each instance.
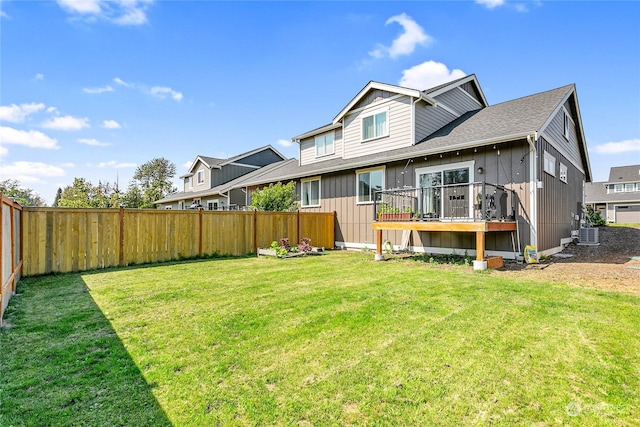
(331, 340)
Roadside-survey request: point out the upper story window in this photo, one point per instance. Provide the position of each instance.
(549, 164)
(188, 183)
(618, 188)
(367, 182)
(200, 177)
(324, 144)
(630, 187)
(375, 124)
(563, 173)
(310, 193)
(567, 124)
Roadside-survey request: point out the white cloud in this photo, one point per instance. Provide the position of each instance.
(626, 146)
(119, 12)
(52, 110)
(406, 42)
(18, 113)
(110, 124)
(116, 165)
(30, 172)
(66, 123)
(284, 143)
(93, 142)
(81, 6)
(31, 138)
(490, 4)
(162, 92)
(428, 74)
(97, 90)
(38, 76)
(3, 14)
(3, 151)
(118, 80)
(187, 165)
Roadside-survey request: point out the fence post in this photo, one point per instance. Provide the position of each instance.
(121, 238)
(255, 230)
(298, 228)
(200, 232)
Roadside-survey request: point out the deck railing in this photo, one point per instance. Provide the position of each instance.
(476, 201)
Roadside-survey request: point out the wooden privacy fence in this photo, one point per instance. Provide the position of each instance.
(64, 240)
(10, 249)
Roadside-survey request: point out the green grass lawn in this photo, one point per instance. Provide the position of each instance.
(327, 340)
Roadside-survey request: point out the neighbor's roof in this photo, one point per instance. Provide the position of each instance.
(622, 174)
(508, 121)
(596, 192)
(223, 188)
(214, 162)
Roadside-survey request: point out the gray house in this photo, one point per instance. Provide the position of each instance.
(471, 177)
(618, 199)
(214, 184)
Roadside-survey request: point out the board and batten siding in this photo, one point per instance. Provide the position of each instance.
(429, 119)
(558, 202)
(555, 132)
(399, 126)
(308, 148)
(457, 100)
(229, 172)
(505, 166)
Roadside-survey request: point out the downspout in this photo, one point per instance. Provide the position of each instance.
(533, 189)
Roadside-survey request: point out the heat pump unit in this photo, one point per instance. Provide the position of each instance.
(588, 236)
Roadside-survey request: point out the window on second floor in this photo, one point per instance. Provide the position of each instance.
(618, 188)
(324, 144)
(310, 193)
(368, 182)
(567, 124)
(630, 187)
(375, 125)
(200, 177)
(549, 164)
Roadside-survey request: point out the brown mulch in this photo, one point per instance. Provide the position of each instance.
(605, 266)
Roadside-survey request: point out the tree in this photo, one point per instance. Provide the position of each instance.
(275, 197)
(154, 178)
(24, 196)
(57, 199)
(82, 194)
(133, 198)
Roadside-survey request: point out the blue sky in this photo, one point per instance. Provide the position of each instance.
(94, 88)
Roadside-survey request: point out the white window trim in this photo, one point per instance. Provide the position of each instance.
(358, 172)
(201, 171)
(563, 176)
(302, 181)
(552, 160)
(618, 188)
(369, 114)
(333, 145)
(190, 184)
(633, 187)
(567, 122)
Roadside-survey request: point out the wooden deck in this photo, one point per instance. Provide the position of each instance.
(478, 227)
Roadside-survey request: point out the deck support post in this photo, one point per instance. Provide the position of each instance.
(379, 256)
(480, 245)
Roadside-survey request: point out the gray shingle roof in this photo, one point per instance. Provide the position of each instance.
(509, 120)
(620, 174)
(596, 192)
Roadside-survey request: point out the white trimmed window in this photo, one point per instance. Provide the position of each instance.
(324, 144)
(630, 187)
(375, 124)
(549, 164)
(367, 182)
(310, 193)
(619, 188)
(563, 173)
(200, 177)
(567, 124)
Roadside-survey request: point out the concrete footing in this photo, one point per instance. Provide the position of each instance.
(479, 265)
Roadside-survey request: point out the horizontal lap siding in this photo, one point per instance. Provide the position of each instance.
(308, 149)
(399, 122)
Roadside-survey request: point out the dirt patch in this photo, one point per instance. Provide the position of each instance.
(607, 266)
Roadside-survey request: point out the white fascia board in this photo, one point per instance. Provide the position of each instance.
(393, 158)
(414, 93)
(318, 131)
(457, 83)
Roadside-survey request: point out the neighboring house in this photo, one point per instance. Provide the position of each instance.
(439, 146)
(618, 199)
(215, 184)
